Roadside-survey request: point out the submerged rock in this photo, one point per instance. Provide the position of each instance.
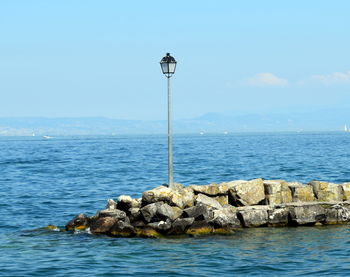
(79, 222)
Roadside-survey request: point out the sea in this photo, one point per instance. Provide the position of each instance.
(49, 181)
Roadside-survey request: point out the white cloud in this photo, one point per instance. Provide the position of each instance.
(267, 80)
(335, 77)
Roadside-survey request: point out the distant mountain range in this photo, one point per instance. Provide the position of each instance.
(322, 120)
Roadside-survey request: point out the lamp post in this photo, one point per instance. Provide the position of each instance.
(168, 65)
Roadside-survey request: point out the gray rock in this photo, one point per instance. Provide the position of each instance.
(208, 201)
(278, 217)
(307, 213)
(253, 216)
(123, 229)
(226, 218)
(198, 212)
(165, 211)
(161, 226)
(149, 212)
(179, 225)
(112, 213)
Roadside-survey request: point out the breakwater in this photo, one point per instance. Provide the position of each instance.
(219, 208)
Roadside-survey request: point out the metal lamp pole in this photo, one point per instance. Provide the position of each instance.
(168, 65)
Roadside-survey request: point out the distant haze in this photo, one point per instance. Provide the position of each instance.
(322, 120)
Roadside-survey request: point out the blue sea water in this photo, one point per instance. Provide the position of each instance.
(48, 181)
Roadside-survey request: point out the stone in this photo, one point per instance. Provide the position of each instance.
(277, 192)
(111, 213)
(157, 194)
(327, 191)
(346, 191)
(111, 204)
(245, 193)
(336, 213)
(122, 229)
(199, 228)
(125, 202)
(179, 225)
(161, 226)
(79, 222)
(278, 216)
(253, 216)
(165, 211)
(222, 199)
(211, 190)
(226, 218)
(305, 213)
(134, 214)
(102, 225)
(182, 198)
(208, 201)
(302, 193)
(149, 212)
(198, 212)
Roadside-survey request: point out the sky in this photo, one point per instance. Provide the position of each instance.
(81, 58)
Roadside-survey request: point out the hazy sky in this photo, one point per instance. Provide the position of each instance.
(101, 58)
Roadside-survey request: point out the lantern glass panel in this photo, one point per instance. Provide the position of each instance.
(165, 68)
(172, 68)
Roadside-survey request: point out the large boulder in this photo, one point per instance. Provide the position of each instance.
(346, 191)
(277, 192)
(111, 204)
(102, 225)
(226, 218)
(182, 198)
(327, 191)
(122, 229)
(198, 212)
(278, 216)
(161, 226)
(306, 213)
(302, 193)
(208, 201)
(161, 193)
(253, 216)
(165, 211)
(246, 193)
(111, 213)
(79, 222)
(212, 189)
(180, 225)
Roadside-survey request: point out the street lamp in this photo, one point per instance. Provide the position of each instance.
(168, 65)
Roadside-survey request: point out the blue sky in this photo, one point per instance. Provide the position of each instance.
(101, 58)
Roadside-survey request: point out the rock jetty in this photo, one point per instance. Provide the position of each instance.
(219, 209)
